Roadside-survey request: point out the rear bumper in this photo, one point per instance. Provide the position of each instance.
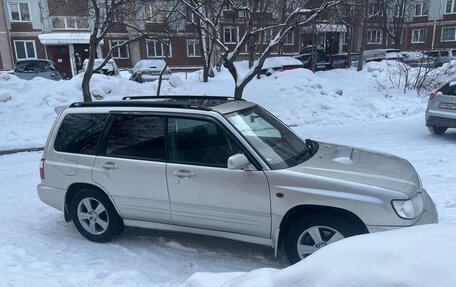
(52, 196)
(440, 122)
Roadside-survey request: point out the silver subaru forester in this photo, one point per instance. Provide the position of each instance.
(441, 109)
(220, 167)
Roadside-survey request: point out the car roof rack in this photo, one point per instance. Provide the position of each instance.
(179, 97)
(173, 101)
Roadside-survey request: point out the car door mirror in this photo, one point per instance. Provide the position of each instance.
(238, 161)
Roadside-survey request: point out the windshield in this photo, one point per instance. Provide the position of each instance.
(274, 141)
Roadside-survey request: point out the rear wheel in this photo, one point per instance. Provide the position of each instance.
(437, 130)
(94, 216)
(313, 232)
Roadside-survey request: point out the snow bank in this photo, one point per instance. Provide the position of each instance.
(298, 97)
(412, 257)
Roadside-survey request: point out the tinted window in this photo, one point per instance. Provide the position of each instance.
(34, 66)
(79, 133)
(449, 89)
(199, 142)
(138, 136)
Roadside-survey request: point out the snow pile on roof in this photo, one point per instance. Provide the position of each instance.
(412, 257)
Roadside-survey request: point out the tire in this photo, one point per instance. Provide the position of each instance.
(437, 130)
(94, 216)
(313, 232)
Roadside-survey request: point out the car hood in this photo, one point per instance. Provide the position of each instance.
(362, 166)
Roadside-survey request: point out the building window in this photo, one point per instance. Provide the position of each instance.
(157, 49)
(450, 7)
(421, 9)
(119, 52)
(267, 36)
(448, 34)
(154, 14)
(374, 36)
(193, 48)
(374, 9)
(418, 36)
(230, 35)
(19, 11)
(289, 38)
(25, 49)
(69, 23)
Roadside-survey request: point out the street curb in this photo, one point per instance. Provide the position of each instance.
(12, 151)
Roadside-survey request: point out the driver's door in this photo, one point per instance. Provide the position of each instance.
(203, 192)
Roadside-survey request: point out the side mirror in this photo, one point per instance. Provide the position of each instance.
(238, 161)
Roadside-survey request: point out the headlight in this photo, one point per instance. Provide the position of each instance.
(409, 209)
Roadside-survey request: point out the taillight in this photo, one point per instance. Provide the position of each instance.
(42, 168)
(281, 69)
(140, 73)
(52, 77)
(432, 94)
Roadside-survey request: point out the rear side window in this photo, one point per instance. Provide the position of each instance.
(34, 66)
(449, 89)
(79, 133)
(137, 136)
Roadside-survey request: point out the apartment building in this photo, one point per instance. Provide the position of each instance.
(60, 30)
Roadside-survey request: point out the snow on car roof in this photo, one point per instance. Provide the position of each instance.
(275, 62)
(150, 64)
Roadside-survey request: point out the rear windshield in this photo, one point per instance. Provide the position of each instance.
(449, 89)
(79, 133)
(33, 66)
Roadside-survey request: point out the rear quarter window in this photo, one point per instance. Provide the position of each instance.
(449, 89)
(79, 133)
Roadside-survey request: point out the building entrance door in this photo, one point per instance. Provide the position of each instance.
(60, 55)
(81, 52)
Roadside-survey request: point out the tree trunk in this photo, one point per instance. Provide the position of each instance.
(88, 74)
(363, 36)
(238, 90)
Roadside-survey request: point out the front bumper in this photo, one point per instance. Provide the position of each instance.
(52, 196)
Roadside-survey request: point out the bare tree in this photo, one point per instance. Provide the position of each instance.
(106, 14)
(395, 13)
(350, 14)
(277, 31)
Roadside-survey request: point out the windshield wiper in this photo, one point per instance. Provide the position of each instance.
(312, 146)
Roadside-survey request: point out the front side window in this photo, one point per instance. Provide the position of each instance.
(193, 48)
(119, 52)
(157, 49)
(25, 49)
(450, 7)
(275, 142)
(448, 34)
(421, 9)
(199, 142)
(79, 133)
(419, 36)
(374, 36)
(137, 136)
(19, 11)
(230, 35)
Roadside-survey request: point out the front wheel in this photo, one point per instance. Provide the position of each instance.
(437, 130)
(313, 232)
(94, 216)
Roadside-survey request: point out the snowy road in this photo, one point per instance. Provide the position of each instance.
(37, 247)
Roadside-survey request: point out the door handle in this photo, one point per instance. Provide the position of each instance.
(110, 165)
(184, 174)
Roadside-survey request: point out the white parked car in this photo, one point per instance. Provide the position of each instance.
(221, 167)
(109, 69)
(149, 70)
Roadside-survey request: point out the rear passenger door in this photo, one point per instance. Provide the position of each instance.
(131, 166)
(204, 193)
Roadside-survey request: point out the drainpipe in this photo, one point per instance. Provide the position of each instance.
(434, 28)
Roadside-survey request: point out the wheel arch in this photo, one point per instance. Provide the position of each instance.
(303, 210)
(73, 189)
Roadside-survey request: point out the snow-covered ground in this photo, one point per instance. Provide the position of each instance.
(37, 247)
